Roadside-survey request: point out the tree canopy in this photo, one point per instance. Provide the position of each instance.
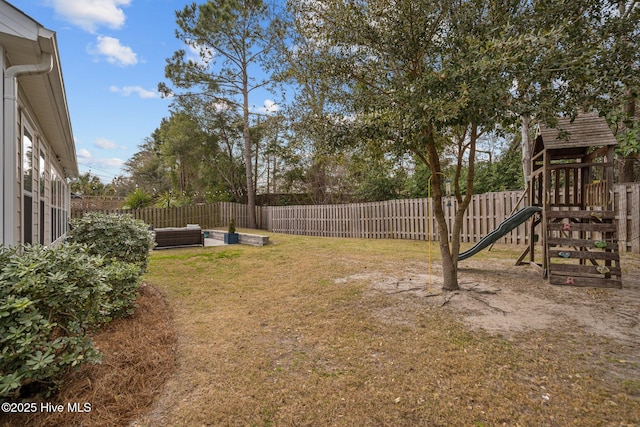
(232, 37)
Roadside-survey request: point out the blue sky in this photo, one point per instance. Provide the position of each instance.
(112, 54)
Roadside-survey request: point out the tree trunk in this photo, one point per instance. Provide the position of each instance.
(449, 273)
(275, 166)
(526, 149)
(275, 158)
(251, 194)
(450, 251)
(449, 264)
(628, 165)
(255, 166)
(628, 170)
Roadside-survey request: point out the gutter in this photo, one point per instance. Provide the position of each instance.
(9, 231)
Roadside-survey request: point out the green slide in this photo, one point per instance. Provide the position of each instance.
(505, 226)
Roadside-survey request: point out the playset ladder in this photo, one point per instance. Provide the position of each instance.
(582, 248)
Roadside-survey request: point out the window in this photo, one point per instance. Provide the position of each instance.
(54, 205)
(41, 168)
(59, 205)
(27, 187)
(27, 162)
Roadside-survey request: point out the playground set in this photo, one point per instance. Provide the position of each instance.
(571, 206)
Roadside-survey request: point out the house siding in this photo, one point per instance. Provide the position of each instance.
(37, 151)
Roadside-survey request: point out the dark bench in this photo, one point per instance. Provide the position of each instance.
(179, 236)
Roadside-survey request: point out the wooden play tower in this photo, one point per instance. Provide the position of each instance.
(571, 179)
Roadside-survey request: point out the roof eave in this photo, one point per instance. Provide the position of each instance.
(24, 41)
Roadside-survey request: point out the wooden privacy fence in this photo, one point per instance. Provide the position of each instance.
(397, 219)
(394, 219)
(207, 216)
(626, 200)
(414, 218)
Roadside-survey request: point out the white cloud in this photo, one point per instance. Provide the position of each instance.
(91, 14)
(114, 52)
(86, 158)
(106, 144)
(112, 163)
(222, 106)
(130, 90)
(268, 107)
(109, 163)
(83, 154)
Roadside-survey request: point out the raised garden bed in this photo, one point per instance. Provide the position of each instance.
(243, 238)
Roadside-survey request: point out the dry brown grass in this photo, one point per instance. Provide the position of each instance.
(303, 332)
(293, 334)
(139, 355)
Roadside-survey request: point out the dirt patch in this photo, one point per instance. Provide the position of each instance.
(517, 304)
(507, 299)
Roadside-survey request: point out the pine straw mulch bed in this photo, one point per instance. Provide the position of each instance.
(139, 355)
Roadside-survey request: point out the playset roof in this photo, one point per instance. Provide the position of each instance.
(586, 130)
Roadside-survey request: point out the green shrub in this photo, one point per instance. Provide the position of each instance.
(116, 237)
(49, 298)
(124, 280)
(124, 242)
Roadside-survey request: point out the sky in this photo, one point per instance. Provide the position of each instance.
(113, 54)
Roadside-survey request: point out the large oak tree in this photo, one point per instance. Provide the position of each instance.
(419, 76)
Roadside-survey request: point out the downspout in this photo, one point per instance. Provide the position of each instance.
(11, 197)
